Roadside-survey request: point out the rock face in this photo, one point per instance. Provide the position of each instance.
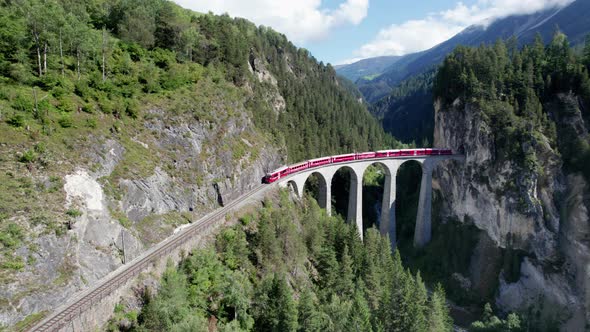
(544, 215)
(135, 187)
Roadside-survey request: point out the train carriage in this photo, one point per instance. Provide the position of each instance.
(406, 152)
(365, 155)
(382, 153)
(395, 153)
(320, 162)
(343, 157)
(299, 167)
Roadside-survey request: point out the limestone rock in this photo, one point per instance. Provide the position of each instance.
(545, 215)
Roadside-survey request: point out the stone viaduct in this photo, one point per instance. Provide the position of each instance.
(357, 169)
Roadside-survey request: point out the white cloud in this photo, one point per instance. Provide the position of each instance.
(301, 20)
(418, 35)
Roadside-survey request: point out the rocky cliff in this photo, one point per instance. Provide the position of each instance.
(541, 211)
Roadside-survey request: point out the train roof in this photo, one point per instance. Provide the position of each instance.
(278, 169)
(316, 159)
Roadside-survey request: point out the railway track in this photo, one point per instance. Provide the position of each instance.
(63, 315)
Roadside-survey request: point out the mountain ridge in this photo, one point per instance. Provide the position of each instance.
(570, 19)
(383, 94)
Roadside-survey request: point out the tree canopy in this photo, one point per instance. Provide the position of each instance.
(299, 270)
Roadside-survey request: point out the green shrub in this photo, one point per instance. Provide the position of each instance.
(4, 93)
(58, 92)
(176, 76)
(20, 73)
(12, 236)
(106, 106)
(15, 263)
(16, 120)
(23, 103)
(132, 109)
(49, 81)
(74, 213)
(163, 58)
(28, 156)
(81, 89)
(43, 107)
(65, 121)
(88, 108)
(40, 147)
(124, 221)
(66, 105)
(91, 123)
(150, 78)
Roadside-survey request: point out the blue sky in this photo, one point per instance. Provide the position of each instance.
(343, 31)
(342, 42)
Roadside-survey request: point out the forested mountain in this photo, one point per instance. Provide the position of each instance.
(520, 116)
(122, 119)
(407, 109)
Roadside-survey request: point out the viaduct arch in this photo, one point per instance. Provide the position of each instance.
(387, 223)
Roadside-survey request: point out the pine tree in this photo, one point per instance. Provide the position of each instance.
(401, 315)
(171, 306)
(328, 268)
(287, 308)
(438, 315)
(345, 281)
(513, 322)
(336, 313)
(360, 315)
(308, 317)
(373, 274)
(418, 306)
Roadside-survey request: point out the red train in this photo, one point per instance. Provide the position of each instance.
(287, 170)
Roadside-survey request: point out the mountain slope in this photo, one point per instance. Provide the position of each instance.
(366, 68)
(400, 113)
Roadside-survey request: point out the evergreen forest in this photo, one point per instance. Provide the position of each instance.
(516, 89)
(290, 267)
(62, 58)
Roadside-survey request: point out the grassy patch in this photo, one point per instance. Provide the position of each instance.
(74, 213)
(13, 262)
(30, 320)
(11, 236)
(370, 77)
(66, 272)
(138, 161)
(121, 218)
(153, 227)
